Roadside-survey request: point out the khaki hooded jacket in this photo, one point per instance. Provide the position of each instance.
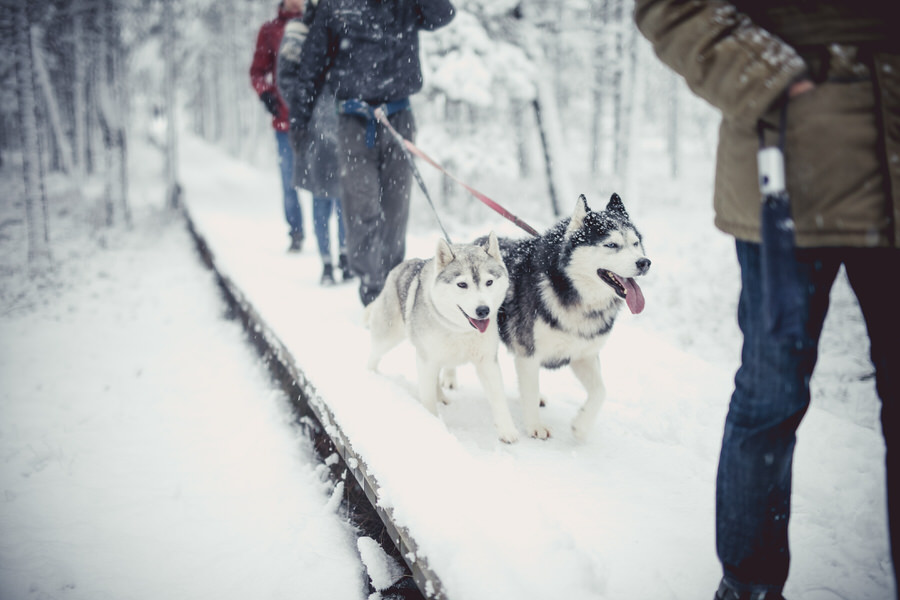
(842, 142)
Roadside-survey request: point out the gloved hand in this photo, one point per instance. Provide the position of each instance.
(270, 99)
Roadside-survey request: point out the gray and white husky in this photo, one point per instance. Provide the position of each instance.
(447, 307)
(566, 289)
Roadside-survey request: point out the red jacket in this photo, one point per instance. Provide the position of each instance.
(262, 70)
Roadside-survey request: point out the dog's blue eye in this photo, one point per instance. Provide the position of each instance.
(489, 282)
(462, 284)
(612, 245)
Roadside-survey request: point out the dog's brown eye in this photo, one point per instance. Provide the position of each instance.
(462, 284)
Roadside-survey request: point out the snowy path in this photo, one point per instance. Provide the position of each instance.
(628, 513)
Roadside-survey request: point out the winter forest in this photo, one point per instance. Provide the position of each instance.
(506, 86)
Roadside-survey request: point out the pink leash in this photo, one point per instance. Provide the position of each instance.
(410, 147)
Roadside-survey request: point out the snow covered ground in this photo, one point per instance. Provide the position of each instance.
(145, 454)
(144, 451)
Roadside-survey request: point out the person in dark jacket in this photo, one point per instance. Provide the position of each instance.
(315, 155)
(827, 75)
(369, 52)
(262, 78)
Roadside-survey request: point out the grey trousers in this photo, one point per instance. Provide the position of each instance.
(375, 184)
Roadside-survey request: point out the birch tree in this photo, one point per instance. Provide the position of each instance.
(673, 130)
(32, 167)
(42, 76)
(111, 116)
(173, 188)
(78, 89)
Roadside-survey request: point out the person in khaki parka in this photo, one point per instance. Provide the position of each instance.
(832, 68)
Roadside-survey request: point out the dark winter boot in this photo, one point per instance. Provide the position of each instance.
(367, 294)
(344, 266)
(327, 275)
(726, 592)
(296, 242)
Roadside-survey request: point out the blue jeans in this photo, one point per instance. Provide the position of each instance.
(771, 395)
(322, 209)
(292, 212)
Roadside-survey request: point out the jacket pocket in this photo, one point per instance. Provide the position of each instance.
(831, 161)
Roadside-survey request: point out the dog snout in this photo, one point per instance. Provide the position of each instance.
(643, 265)
(482, 312)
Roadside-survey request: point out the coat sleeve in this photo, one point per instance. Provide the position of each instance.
(262, 69)
(724, 57)
(308, 75)
(434, 14)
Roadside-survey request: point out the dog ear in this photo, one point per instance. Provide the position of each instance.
(616, 206)
(492, 247)
(578, 215)
(443, 256)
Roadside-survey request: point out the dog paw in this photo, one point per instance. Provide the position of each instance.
(448, 379)
(540, 432)
(509, 437)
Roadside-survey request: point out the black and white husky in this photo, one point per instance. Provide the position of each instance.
(447, 307)
(566, 289)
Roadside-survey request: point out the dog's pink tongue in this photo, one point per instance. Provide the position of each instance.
(634, 298)
(480, 324)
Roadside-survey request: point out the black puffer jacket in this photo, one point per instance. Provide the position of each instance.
(369, 48)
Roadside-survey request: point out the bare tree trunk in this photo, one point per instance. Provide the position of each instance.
(215, 114)
(79, 91)
(173, 188)
(118, 157)
(452, 116)
(104, 114)
(600, 10)
(521, 127)
(201, 102)
(672, 132)
(624, 85)
(53, 114)
(32, 167)
(548, 121)
(233, 125)
(113, 186)
(122, 143)
(559, 57)
(90, 94)
(619, 99)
